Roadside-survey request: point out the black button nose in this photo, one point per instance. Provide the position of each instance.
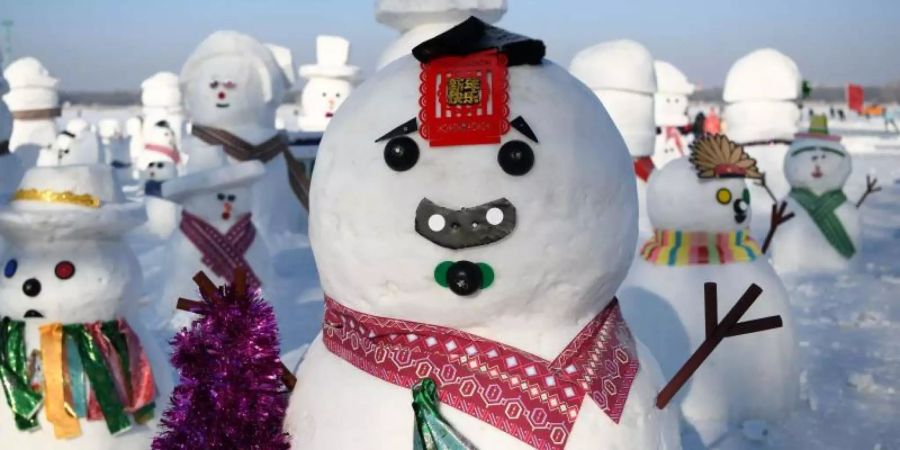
(31, 287)
(464, 278)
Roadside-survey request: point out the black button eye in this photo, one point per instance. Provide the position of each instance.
(516, 158)
(231, 198)
(401, 153)
(221, 197)
(214, 85)
(11, 267)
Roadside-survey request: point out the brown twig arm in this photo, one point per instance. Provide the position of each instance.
(777, 219)
(871, 186)
(729, 326)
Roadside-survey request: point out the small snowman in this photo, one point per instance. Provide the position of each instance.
(34, 103)
(77, 144)
(159, 160)
(420, 20)
(216, 233)
(477, 268)
(700, 209)
(621, 74)
(77, 374)
(161, 101)
(330, 82)
(232, 86)
(825, 232)
(761, 113)
(673, 125)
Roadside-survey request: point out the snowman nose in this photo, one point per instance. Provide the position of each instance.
(466, 227)
(31, 287)
(221, 95)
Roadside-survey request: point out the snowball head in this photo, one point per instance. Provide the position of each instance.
(68, 281)
(161, 91)
(623, 65)
(323, 96)
(764, 74)
(817, 164)
(671, 98)
(231, 80)
(31, 86)
(224, 205)
(677, 199)
(576, 211)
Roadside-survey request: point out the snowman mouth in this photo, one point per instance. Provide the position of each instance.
(329, 114)
(222, 105)
(817, 173)
(466, 227)
(33, 314)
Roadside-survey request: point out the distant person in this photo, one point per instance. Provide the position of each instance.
(841, 114)
(890, 119)
(831, 112)
(713, 123)
(811, 112)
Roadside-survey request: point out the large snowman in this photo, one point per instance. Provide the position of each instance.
(34, 103)
(700, 209)
(420, 20)
(76, 375)
(825, 232)
(215, 234)
(232, 86)
(475, 239)
(330, 83)
(670, 109)
(10, 165)
(761, 113)
(621, 74)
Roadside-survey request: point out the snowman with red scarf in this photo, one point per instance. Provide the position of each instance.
(473, 213)
(216, 231)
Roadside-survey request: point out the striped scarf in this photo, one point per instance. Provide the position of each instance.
(222, 253)
(97, 371)
(37, 114)
(821, 209)
(680, 248)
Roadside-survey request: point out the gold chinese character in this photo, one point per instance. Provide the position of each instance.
(463, 91)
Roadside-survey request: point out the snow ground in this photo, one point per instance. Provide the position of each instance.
(848, 325)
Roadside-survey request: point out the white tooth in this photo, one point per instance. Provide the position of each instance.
(494, 216)
(436, 222)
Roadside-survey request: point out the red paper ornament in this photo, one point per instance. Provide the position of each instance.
(464, 99)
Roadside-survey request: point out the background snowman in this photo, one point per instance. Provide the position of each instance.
(158, 162)
(485, 261)
(114, 149)
(825, 232)
(161, 101)
(76, 374)
(621, 74)
(670, 109)
(232, 86)
(77, 144)
(700, 209)
(216, 233)
(34, 103)
(10, 165)
(330, 83)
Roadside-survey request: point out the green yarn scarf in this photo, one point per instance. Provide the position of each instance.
(821, 208)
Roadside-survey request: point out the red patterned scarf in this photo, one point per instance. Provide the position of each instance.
(222, 253)
(534, 400)
(643, 167)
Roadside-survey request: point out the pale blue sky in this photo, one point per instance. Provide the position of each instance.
(114, 44)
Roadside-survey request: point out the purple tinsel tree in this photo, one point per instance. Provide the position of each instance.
(230, 394)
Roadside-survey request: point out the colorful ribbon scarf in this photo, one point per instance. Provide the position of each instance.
(222, 253)
(534, 400)
(680, 248)
(242, 150)
(643, 167)
(97, 371)
(37, 114)
(821, 209)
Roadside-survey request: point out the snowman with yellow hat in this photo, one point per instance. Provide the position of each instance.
(76, 373)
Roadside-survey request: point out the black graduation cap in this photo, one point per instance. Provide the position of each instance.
(473, 35)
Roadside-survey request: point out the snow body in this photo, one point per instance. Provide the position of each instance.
(747, 377)
(246, 109)
(31, 88)
(799, 244)
(330, 82)
(578, 215)
(622, 75)
(761, 93)
(670, 112)
(106, 284)
(420, 20)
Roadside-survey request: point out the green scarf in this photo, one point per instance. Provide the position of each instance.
(24, 402)
(432, 430)
(821, 209)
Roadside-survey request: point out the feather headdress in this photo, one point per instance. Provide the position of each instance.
(716, 156)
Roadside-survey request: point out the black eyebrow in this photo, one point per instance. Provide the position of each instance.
(407, 127)
(520, 124)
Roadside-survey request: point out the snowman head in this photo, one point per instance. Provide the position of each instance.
(65, 260)
(77, 144)
(671, 98)
(215, 190)
(538, 220)
(818, 162)
(222, 206)
(232, 81)
(706, 193)
(160, 169)
(323, 96)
